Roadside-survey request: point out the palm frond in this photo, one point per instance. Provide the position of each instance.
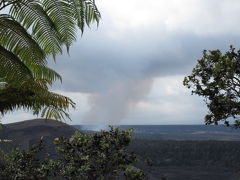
(41, 101)
(60, 12)
(91, 12)
(43, 72)
(30, 13)
(78, 12)
(85, 12)
(56, 100)
(53, 113)
(33, 30)
(12, 99)
(12, 69)
(17, 40)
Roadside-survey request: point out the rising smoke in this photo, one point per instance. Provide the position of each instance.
(109, 107)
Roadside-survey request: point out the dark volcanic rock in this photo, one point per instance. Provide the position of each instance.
(26, 133)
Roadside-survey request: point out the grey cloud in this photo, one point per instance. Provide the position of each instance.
(117, 68)
(118, 72)
(94, 66)
(169, 62)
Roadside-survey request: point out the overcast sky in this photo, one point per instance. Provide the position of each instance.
(130, 69)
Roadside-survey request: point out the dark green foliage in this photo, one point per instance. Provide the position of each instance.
(133, 173)
(22, 164)
(216, 77)
(100, 156)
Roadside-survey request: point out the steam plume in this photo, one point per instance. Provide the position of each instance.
(112, 105)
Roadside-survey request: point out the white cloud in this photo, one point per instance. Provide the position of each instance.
(168, 103)
(202, 17)
(168, 85)
(16, 116)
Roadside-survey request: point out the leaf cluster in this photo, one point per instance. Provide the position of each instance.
(216, 77)
(22, 164)
(100, 156)
(32, 31)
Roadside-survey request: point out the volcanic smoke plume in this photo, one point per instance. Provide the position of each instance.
(112, 105)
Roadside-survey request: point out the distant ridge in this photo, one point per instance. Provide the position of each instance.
(35, 122)
(26, 133)
(176, 132)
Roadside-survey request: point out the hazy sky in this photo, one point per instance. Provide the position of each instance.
(130, 69)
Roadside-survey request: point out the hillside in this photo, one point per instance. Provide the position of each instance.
(194, 152)
(181, 152)
(26, 133)
(193, 160)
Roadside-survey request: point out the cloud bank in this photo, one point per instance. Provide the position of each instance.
(130, 69)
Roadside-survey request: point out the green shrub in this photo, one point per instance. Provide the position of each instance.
(96, 156)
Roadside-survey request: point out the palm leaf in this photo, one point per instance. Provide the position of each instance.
(43, 72)
(85, 11)
(60, 12)
(12, 69)
(34, 30)
(79, 14)
(13, 99)
(30, 13)
(91, 12)
(17, 40)
(41, 101)
(53, 113)
(56, 100)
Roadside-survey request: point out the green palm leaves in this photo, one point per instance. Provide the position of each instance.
(33, 30)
